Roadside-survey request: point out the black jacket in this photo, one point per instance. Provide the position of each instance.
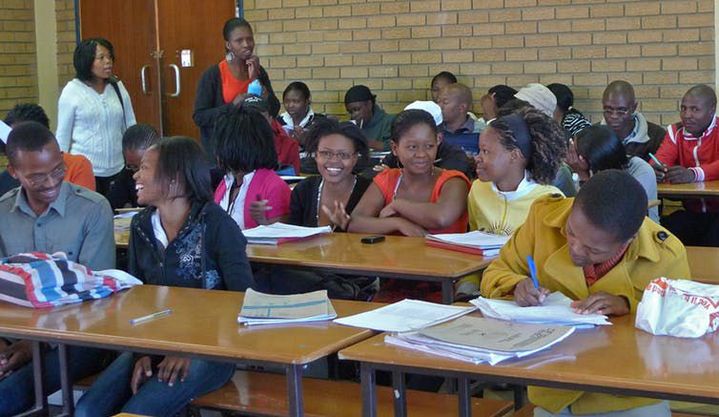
(209, 103)
(208, 252)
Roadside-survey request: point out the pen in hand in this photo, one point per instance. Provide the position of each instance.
(533, 271)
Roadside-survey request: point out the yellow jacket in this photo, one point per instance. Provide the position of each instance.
(653, 253)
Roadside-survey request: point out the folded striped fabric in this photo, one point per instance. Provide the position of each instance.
(43, 280)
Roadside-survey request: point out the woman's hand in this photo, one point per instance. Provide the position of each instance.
(141, 373)
(337, 214)
(258, 211)
(526, 294)
(173, 367)
(14, 356)
(253, 67)
(408, 228)
(577, 162)
(388, 211)
(602, 303)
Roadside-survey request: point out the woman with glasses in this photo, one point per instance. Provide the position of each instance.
(136, 140)
(251, 192)
(94, 111)
(336, 147)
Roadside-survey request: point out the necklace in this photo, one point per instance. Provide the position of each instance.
(319, 198)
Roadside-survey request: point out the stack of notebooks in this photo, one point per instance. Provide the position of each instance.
(260, 308)
(278, 233)
(476, 243)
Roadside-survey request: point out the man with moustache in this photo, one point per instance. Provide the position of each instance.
(47, 214)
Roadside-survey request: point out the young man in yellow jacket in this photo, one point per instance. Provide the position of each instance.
(599, 249)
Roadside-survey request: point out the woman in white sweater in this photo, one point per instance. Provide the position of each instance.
(94, 111)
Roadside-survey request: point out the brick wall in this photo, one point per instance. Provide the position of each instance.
(18, 71)
(395, 47)
(65, 11)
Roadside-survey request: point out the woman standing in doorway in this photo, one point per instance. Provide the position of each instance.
(226, 84)
(94, 111)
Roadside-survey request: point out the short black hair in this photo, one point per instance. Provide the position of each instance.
(27, 112)
(182, 160)
(299, 86)
(613, 201)
(27, 137)
(407, 119)
(232, 24)
(139, 136)
(245, 141)
(564, 95)
(325, 126)
(502, 94)
(446, 75)
(601, 148)
(84, 56)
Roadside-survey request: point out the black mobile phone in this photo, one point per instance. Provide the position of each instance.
(372, 239)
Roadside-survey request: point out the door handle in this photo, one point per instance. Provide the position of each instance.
(143, 79)
(176, 70)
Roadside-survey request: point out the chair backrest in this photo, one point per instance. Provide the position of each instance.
(469, 142)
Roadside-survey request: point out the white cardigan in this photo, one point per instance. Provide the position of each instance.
(92, 125)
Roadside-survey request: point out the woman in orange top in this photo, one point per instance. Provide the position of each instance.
(416, 199)
(225, 85)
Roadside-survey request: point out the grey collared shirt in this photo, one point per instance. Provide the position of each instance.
(79, 223)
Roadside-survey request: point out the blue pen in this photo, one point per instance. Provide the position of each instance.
(533, 271)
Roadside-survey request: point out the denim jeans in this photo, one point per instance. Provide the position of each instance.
(111, 393)
(17, 392)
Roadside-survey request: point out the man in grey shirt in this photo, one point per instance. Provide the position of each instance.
(49, 215)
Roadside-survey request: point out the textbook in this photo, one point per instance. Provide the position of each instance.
(477, 242)
(555, 310)
(479, 340)
(260, 308)
(405, 315)
(278, 233)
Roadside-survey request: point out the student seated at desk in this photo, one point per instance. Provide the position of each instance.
(135, 141)
(298, 115)
(600, 250)
(690, 153)
(181, 239)
(598, 148)
(47, 214)
(251, 192)
(416, 199)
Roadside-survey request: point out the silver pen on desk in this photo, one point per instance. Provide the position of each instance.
(152, 316)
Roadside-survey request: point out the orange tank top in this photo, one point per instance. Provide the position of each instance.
(231, 86)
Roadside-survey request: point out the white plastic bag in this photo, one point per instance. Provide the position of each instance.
(679, 308)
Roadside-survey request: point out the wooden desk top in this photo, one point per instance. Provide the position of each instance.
(605, 356)
(704, 264)
(202, 322)
(693, 189)
(397, 255)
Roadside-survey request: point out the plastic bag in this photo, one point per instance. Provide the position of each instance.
(679, 308)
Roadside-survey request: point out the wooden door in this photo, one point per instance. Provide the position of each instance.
(197, 26)
(130, 26)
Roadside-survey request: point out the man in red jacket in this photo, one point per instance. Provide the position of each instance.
(690, 153)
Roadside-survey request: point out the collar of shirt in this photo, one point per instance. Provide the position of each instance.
(467, 127)
(304, 122)
(58, 205)
(595, 272)
(524, 187)
(707, 132)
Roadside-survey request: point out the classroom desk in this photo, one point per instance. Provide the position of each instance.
(617, 359)
(203, 324)
(693, 189)
(703, 264)
(397, 257)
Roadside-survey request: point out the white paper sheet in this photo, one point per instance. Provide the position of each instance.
(404, 316)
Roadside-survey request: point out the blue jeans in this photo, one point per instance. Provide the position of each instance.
(17, 392)
(111, 393)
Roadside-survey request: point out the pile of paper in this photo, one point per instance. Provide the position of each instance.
(476, 242)
(556, 309)
(405, 315)
(479, 340)
(278, 233)
(260, 308)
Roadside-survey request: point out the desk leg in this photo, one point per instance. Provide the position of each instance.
(465, 399)
(68, 403)
(369, 394)
(400, 394)
(40, 408)
(294, 390)
(447, 292)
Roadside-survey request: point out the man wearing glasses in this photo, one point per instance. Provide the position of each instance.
(639, 135)
(47, 214)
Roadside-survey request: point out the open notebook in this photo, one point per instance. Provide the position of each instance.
(278, 233)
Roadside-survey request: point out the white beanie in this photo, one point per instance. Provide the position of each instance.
(540, 97)
(430, 107)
